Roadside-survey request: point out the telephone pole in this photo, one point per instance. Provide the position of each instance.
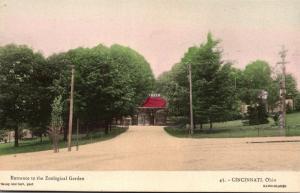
(191, 100)
(282, 120)
(71, 110)
(77, 134)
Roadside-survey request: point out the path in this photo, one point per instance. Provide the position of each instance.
(151, 148)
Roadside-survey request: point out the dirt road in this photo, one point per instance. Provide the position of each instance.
(150, 148)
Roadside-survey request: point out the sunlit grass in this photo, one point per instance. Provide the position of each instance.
(237, 129)
(33, 145)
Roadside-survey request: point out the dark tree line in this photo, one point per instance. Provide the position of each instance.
(219, 89)
(110, 82)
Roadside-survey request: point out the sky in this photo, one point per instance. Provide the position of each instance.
(160, 30)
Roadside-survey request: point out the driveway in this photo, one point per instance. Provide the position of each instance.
(151, 148)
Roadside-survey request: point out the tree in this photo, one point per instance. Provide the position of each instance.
(56, 122)
(42, 81)
(297, 102)
(133, 79)
(291, 90)
(109, 83)
(273, 95)
(257, 114)
(60, 68)
(213, 84)
(256, 77)
(18, 66)
(175, 93)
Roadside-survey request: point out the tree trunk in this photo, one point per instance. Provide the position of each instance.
(55, 140)
(110, 123)
(41, 137)
(87, 130)
(16, 136)
(106, 127)
(201, 126)
(210, 124)
(56, 145)
(65, 133)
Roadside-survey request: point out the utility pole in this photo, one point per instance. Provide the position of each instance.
(77, 133)
(191, 100)
(71, 110)
(282, 120)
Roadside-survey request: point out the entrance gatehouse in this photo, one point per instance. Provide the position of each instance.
(153, 111)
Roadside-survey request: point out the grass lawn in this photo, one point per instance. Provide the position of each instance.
(33, 145)
(237, 129)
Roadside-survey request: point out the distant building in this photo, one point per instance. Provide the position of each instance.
(289, 104)
(153, 111)
(9, 136)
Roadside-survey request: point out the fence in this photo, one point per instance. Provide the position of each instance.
(237, 131)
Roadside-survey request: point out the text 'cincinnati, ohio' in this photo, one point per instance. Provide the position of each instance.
(253, 180)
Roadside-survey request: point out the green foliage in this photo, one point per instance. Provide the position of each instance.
(297, 102)
(290, 84)
(109, 82)
(17, 65)
(213, 85)
(276, 118)
(176, 95)
(256, 77)
(56, 114)
(56, 121)
(258, 74)
(291, 91)
(3, 135)
(24, 81)
(257, 114)
(273, 95)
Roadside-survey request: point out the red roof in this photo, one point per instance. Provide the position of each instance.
(154, 102)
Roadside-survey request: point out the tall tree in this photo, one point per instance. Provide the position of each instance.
(56, 122)
(109, 82)
(213, 84)
(257, 77)
(176, 95)
(42, 96)
(291, 90)
(18, 68)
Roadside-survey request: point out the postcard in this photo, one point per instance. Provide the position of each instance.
(150, 95)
